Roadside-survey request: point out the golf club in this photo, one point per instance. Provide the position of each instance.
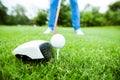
(57, 15)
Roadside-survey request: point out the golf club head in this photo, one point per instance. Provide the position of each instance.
(39, 50)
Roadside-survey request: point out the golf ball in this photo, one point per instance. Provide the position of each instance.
(57, 41)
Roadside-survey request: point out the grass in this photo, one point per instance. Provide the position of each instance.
(94, 56)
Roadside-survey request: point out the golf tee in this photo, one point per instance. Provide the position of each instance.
(58, 50)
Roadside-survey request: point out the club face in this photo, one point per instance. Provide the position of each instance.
(47, 51)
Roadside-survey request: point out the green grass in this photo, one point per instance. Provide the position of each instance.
(94, 56)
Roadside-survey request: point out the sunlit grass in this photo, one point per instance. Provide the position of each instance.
(94, 56)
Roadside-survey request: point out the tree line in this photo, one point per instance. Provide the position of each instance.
(90, 16)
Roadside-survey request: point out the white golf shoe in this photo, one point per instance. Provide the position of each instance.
(79, 32)
(48, 31)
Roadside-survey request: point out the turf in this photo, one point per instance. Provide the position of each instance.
(94, 56)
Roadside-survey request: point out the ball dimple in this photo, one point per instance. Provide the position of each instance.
(57, 41)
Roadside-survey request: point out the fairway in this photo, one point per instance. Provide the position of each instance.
(93, 56)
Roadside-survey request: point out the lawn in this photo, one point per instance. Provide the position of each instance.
(94, 56)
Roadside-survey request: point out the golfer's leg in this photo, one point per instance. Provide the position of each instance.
(52, 13)
(75, 14)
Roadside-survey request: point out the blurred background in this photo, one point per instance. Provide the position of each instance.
(35, 12)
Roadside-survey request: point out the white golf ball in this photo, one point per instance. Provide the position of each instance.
(57, 41)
